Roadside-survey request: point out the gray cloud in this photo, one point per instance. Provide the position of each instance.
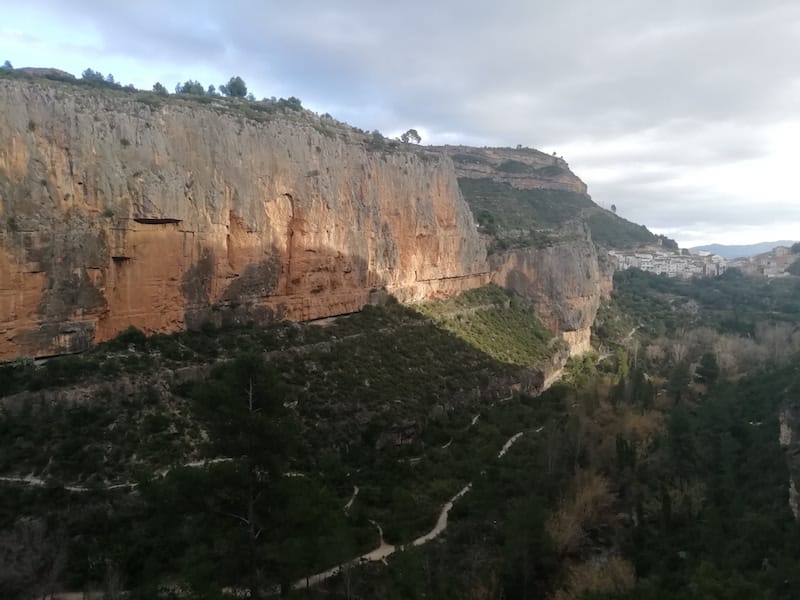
(639, 93)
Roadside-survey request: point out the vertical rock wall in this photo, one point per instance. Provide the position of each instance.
(119, 209)
(115, 212)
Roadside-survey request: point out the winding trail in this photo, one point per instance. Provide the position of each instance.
(441, 522)
(508, 444)
(384, 550)
(38, 482)
(378, 554)
(349, 504)
(34, 481)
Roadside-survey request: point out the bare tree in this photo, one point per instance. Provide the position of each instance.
(776, 339)
(679, 346)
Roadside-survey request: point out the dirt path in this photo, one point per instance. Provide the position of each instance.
(441, 522)
(34, 481)
(384, 550)
(508, 444)
(347, 506)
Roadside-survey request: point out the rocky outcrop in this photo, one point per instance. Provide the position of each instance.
(566, 280)
(117, 210)
(523, 168)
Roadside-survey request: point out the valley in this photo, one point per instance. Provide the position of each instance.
(257, 352)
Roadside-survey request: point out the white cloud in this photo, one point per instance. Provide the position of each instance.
(683, 114)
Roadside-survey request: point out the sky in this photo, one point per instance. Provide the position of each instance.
(685, 115)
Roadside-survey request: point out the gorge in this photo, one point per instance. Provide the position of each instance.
(121, 210)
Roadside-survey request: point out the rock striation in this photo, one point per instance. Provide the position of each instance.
(120, 209)
(567, 276)
(117, 212)
(566, 281)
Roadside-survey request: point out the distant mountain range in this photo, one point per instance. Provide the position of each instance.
(744, 250)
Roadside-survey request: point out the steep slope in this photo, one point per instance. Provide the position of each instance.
(524, 197)
(119, 211)
(545, 233)
(566, 279)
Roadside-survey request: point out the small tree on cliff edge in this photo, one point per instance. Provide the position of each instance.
(235, 88)
(411, 136)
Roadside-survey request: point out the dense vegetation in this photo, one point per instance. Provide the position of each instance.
(732, 303)
(120, 496)
(252, 458)
(711, 497)
(794, 268)
(725, 530)
(498, 323)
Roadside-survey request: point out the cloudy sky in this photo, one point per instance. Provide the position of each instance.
(685, 114)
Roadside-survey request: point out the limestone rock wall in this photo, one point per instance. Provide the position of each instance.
(119, 210)
(565, 280)
(116, 212)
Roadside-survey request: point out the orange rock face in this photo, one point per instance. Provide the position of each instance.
(566, 282)
(119, 210)
(115, 212)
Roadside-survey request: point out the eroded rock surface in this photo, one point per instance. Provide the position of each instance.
(119, 210)
(116, 213)
(566, 280)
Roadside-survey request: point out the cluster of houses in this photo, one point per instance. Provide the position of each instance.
(770, 264)
(672, 264)
(702, 264)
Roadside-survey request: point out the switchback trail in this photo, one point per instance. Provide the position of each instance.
(384, 550)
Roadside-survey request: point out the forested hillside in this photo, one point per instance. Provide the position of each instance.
(398, 454)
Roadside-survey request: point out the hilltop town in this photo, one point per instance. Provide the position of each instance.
(779, 262)
(685, 264)
(673, 264)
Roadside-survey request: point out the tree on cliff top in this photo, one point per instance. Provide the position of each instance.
(7, 66)
(235, 88)
(190, 87)
(411, 136)
(92, 76)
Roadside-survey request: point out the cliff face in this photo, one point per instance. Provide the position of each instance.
(566, 281)
(119, 210)
(563, 272)
(118, 213)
